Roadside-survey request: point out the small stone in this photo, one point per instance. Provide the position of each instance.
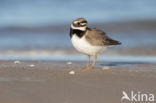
(72, 72)
(17, 62)
(105, 68)
(69, 63)
(32, 65)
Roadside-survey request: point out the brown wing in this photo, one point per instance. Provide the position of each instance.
(99, 38)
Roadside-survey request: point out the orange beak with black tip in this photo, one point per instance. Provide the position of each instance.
(85, 26)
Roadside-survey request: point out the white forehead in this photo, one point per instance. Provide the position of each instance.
(79, 28)
(75, 22)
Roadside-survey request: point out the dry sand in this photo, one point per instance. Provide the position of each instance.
(50, 81)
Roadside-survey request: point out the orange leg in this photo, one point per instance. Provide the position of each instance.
(87, 66)
(94, 62)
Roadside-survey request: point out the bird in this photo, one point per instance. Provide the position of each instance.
(89, 41)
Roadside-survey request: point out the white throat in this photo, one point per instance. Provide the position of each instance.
(79, 28)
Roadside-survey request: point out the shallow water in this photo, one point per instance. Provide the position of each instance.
(51, 40)
(57, 46)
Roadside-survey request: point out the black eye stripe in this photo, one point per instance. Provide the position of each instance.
(81, 23)
(84, 22)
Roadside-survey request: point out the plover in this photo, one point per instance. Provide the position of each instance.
(89, 41)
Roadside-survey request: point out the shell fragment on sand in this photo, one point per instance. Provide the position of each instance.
(69, 63)
(72, 72)
(105, 68)
(17, 62)
(32, 65)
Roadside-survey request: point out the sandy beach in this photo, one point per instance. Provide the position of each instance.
(53, 82)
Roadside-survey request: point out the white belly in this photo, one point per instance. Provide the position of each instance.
(84, 47)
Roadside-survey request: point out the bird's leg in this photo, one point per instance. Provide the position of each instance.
(94, 62)
(87, 66)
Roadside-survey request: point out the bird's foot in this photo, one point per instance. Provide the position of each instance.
(87, 67)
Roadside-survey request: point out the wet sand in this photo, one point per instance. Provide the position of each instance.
(50, 81)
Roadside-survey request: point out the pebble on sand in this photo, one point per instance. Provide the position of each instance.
(69, 63)
(105, 68)
(32, 65)
(17, 62)
(72, 72)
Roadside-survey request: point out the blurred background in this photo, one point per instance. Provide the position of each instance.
(39, 29)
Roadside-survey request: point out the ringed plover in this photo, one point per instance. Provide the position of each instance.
(89, 41)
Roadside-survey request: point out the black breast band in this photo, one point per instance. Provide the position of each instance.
(79, 33)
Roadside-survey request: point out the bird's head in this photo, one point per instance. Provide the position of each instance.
(79, 24)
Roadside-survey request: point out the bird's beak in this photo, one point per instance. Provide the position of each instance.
(85, 26)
